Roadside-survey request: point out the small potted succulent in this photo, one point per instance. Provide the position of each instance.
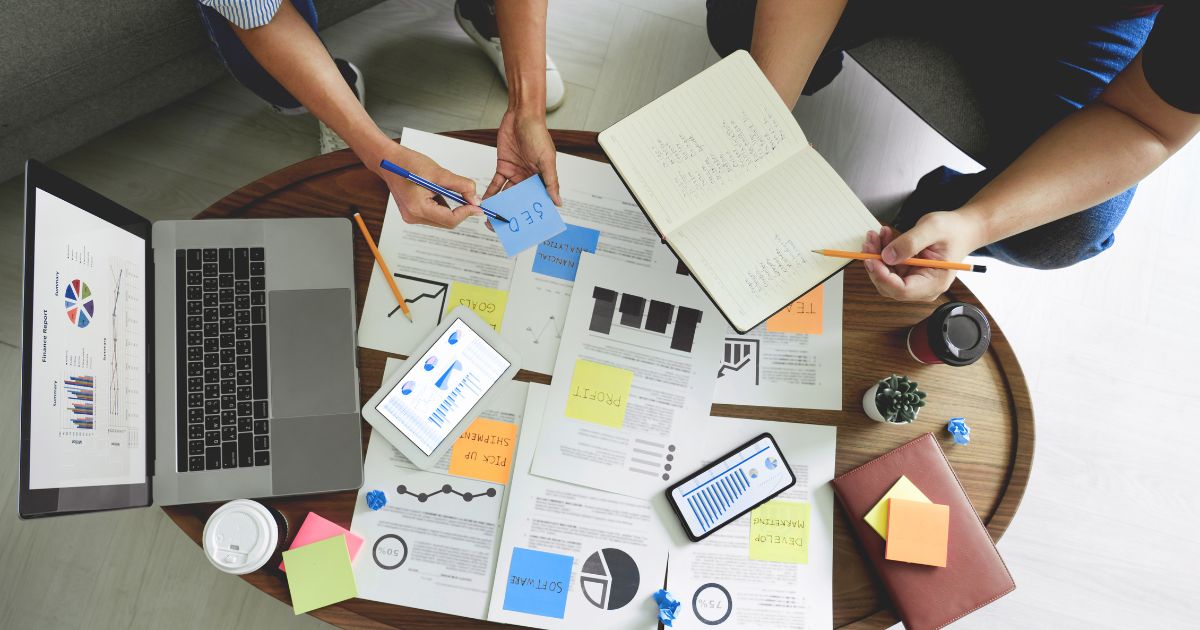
(895, 400)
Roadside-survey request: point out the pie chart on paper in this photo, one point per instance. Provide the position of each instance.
(609, 579)
(79, 305)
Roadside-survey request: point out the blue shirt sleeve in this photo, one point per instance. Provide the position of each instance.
(245, 14)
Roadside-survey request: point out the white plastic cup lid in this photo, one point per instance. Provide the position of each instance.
(240, 536)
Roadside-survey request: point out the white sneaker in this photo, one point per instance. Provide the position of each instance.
(329, 140)
(481, 29)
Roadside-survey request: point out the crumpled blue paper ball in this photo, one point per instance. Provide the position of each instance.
(376, 499)
(959, 429)
(667, 606)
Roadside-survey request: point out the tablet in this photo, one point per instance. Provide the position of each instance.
(426, 403)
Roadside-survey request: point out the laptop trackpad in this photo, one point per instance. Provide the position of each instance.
(311, 337)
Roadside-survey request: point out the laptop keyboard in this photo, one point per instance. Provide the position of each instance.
(221, 318)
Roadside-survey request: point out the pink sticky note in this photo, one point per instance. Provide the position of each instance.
(317, 528)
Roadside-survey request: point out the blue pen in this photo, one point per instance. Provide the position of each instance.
(432, 187)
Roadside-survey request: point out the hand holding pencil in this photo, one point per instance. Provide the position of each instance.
(938, 236)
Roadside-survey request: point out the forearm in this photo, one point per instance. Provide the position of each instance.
(789, 36)
(291, 52)
(523, 37)
(1086, 159)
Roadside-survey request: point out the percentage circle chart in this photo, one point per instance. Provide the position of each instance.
(609, 579)
(79, 305)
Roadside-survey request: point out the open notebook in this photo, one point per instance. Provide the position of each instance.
(725, 174)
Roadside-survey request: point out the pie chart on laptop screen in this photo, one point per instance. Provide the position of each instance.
(609, 579)
(79, 305)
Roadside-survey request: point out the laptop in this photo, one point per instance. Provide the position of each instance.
(184, 361)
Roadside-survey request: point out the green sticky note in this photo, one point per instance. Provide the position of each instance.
(877, 518)
(599, 393)
(319, 574)
(779, 532)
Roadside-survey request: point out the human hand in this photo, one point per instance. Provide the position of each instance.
(524, 148)
(938, 236)
(421, 206)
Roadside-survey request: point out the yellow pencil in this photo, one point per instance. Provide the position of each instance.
(914, 262)
(362, 227)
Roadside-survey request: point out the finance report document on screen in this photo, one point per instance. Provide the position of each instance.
(88, 371)
(427, 402)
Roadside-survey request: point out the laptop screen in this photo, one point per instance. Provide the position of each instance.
(88, 383)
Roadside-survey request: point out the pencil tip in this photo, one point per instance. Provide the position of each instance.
(816, 251)
(409, 316)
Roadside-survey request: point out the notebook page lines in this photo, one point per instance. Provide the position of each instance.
(754, 248)
(702, 141)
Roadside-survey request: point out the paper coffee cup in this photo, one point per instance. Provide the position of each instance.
(241, 536)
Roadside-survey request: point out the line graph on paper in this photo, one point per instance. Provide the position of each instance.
(551, 325)
(426, 298)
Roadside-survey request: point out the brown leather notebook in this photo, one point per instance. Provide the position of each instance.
(925, 596)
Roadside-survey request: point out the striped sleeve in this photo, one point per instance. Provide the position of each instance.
(245, 13)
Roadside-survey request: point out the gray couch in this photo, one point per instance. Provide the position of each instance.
(71, 70)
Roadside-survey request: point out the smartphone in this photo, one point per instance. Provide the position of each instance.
(730, 486)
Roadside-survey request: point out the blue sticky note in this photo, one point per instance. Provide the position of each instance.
(558, 257)
(537, 583)
(532, 217)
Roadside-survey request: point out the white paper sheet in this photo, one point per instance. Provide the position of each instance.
(426, 548)
(716, 577)
(434, 267)
(552, 517)
(601, 215)
(779, 369)
(642, 322)
(441, 550)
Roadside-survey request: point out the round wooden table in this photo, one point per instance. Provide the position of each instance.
(991, 394)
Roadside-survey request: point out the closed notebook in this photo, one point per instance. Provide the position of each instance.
(723, 171)
(926, 597)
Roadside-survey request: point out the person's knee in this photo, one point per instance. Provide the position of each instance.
(730, 25)
(1067, 241)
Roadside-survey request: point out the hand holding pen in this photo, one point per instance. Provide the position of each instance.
(420, 204)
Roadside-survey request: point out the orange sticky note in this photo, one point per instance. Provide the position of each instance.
(917, 532)
(484, 451)
(802, 316)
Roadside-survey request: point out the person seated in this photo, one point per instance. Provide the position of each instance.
(1091, 97)
(272, 48)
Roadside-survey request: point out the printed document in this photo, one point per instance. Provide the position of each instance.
(773, 567)
(574, 557)
(636, 363)
(433, 546)
(794, 359)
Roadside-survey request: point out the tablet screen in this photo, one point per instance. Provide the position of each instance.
(87, 405)
(429, 401)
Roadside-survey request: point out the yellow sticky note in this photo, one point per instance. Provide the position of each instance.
(877, 518)
(319, 574)
(484, 451)
(487, 303)
(802, 316)
(599, 393)
(779, 532)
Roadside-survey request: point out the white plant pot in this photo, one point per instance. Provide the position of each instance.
(869, 407)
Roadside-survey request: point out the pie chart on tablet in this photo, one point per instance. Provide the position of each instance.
(79, 305)
(609, 579)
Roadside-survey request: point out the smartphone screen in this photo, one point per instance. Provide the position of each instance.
(729, 487)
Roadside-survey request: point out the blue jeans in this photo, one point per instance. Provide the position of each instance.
(1031, 68)
(241, 64)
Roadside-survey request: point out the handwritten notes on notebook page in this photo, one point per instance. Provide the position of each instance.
(726, 174)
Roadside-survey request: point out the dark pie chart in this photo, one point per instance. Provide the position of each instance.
(609, 579)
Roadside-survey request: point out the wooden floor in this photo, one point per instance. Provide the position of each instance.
(1106, 535)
